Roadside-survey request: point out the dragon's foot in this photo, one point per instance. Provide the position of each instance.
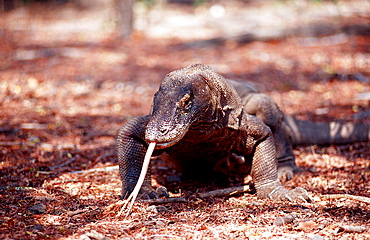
(148, 192)
(287, 168)
(285, 173)
(295, 195)
(151, 193)
(275, 191)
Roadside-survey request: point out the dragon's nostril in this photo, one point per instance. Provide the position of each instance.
(163, 129)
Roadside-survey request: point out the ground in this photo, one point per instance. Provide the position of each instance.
(65, 94)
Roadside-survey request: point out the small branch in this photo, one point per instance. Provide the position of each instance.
(216, 193)
(37, 126)
(21, 144)
(98, 159)
(9, 130)
(352, 229)
(347, 196)
(62, 164)
(106, 169)
(225, 192)
(164, 200)
(77, 212)
(114, 205)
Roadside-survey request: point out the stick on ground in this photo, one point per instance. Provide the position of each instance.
(347, 196)
(225, 192)
(216, 193)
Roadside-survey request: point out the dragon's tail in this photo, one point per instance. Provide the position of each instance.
(307, 132)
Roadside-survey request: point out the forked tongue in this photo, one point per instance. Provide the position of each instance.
(140, 181)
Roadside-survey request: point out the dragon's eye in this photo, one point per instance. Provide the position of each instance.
(185, 101)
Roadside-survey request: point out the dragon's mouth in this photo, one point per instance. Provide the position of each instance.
(166, 144)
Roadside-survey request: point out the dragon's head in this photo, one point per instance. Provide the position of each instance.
(181, 99)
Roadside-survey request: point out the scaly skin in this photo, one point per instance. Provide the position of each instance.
(200, 124)
(289, 132)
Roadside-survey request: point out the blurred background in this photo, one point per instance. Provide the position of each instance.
(281, 44)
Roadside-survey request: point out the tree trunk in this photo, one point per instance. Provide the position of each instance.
(8, 5)
(124, 14)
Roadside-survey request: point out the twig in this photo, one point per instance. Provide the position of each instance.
(113, 205)
(216, 193)
(17, 144)
(62, 164)
(164, 200)
(352, 229)
(98, 159)
(105, 169)
(347, 196)
(9, 130)
(38, 126)
(77, 212)
(225, 192)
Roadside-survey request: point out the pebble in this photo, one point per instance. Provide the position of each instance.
(156, 209)
(283, 220)
(307, 226)
(352, 229)
(255, 203)
(317, 237)
(95, 235)
(38, 209)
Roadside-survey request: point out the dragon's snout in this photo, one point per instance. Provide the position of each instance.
(165, 135)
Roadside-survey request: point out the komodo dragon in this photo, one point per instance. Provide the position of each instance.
(204, 124)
